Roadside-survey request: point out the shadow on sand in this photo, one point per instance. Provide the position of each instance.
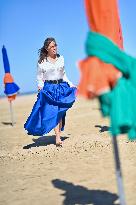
(75, 194)
(43, 141)
(8, 123)
(103, 128)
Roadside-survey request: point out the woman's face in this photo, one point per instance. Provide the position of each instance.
(52, 48)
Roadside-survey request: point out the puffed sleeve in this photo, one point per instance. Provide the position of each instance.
(40, 81)
(65, 78)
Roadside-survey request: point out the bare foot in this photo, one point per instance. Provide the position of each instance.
(59, 143)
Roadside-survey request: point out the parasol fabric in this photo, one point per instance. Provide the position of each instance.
(11, 88)
(119, 102)
(103, 18)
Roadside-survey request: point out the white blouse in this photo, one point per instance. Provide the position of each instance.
(48, 70)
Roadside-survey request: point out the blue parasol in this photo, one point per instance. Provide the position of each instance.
(10, 89)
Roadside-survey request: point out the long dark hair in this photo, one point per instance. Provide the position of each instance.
(43, 51)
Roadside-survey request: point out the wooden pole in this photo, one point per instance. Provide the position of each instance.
(11, 114)
(118, 171)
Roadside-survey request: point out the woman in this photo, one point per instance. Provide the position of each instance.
(56, 94)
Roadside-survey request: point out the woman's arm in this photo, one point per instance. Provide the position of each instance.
(40, 81)
(65, 78)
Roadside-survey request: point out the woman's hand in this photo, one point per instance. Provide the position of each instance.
(73, 86)
(39, 89)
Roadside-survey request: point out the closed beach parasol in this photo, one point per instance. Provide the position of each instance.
(109, 74)
(11, 89)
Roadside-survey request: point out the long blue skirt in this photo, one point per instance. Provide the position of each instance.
(50, 108)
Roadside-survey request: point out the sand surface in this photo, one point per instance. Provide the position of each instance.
(34, 171)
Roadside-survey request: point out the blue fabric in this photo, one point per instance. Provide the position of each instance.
(11, 89)
(5, 60)
(52, 103)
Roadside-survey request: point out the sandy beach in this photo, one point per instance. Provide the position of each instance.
(34, 171)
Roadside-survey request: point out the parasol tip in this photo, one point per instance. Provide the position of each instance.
(3, 48)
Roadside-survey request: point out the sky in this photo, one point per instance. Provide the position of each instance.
(25, 24)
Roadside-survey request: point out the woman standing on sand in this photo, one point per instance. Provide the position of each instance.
(56, 94)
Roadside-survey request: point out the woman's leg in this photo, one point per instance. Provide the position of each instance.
(57, 130)
(60, 126)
